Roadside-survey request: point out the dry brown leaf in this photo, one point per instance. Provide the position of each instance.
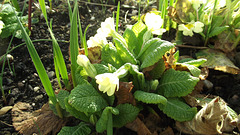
(218, 61)
(212, 119)
(124, 94)
(42, 120)
(138, 126)
(94, 54)
(168, 131)
(5, 109)
(169, 59)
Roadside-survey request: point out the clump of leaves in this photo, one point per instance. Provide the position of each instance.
(7, 16)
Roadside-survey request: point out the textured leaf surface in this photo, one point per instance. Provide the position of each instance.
(127, 113)
(139, 29)
(124, 53)
(177, 83)
(110, 55)
(178, 110)
(155, 52)
(101, 124)
(149, 98)
(74, 112)
(86, 99)
(132, 41)
(61, 96)
(101, 68)
(80, 129)
(217, 30)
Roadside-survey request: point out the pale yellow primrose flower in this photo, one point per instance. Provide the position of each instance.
(190, 27)
(1, 26)
(97, 40)
(83, 61)
(107, 28)
(196, 3)
(154, 23)
(108, 82)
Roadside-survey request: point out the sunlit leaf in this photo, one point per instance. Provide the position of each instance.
(149, 98)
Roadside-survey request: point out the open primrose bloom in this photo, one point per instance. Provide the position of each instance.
(108, 82)
(154, 23)
(107, 28)
(1, 26)
(191, 27)
(97, 40)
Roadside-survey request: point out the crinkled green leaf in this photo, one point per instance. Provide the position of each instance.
(101, 124)
(155, 52)
(177, 83)
(81, 129)
(124, 53)
(74, 112)
(110, 55)
(178, 109)
(61, 96)
(132, 41)
(147, 44)
(101, 68)
(79, 76)
(127, 113)
(149, 98)
(157, 72)
(190, 61)
(217, 30)
(139, 29)
(85, 98)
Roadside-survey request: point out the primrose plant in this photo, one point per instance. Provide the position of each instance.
(209, 18)
(112, 80)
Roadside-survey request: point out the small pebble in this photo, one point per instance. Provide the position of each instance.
(51, 74)
(36, 89)
(208, 84)
(20, 84)
(33, 104)
(30, 87)
(38, 97)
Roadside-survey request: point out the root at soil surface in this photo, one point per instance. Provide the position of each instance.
(42, 121)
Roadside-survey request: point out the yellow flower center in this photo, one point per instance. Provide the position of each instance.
(189, 26)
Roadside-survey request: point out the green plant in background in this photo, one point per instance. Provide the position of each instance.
(208, 18)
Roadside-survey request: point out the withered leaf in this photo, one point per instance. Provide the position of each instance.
(211, 119)
(42, 120)
(94, 53)
(124, 94)
(138, 126)
(5, 109)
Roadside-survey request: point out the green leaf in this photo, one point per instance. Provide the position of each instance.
(157, 72)
(61, 96)
(86, 99)
(149, 98)
(74, 112)
(177, 83)
(102, 123)
(127, 113)
(110, 55)
(217, 31)
(193, 62)
(193, 70)
(79, 76)
(147, 44)
(124, 53)
(139, 29)
(154, 52)
(178, 110)
(132, 41)
(81, 129)
(101, 68)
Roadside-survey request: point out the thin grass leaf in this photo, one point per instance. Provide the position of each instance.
(84, 41)
(38, 65)
(43, 7)
(117, 16)
(74, 41)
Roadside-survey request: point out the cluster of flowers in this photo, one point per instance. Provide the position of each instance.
(1, 26)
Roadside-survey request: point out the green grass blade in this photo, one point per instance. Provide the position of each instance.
(69, 11)
(74, 41)
(38, 65)
(43, 7)
(84, 41)
(117, 16)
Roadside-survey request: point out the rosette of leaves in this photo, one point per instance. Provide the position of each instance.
(7, 15)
